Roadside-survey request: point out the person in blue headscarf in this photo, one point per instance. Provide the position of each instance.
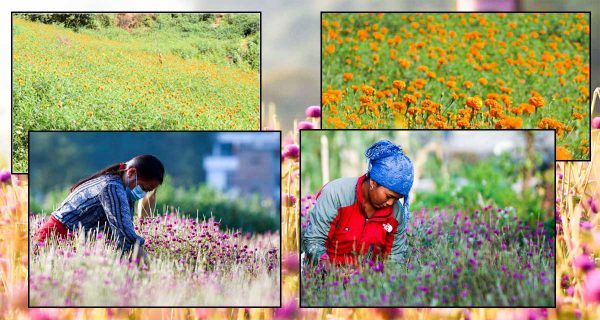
(363, 217)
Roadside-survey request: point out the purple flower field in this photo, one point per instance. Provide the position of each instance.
(485, 257)
(192, 263)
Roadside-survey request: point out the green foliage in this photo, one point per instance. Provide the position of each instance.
(474, 184)
(73, 21)
(244, 24)
(245, 213)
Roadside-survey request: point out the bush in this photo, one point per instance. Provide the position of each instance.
(245, 213)
(244, 24)
(74, 21)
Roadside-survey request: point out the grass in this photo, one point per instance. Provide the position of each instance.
(64, 80)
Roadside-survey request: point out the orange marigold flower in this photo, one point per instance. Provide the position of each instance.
(528, 108)
(362, 34)
(368, 90)
(330, 48)
(483, 81)
(354, 119)
(463, 123)
(399, 84)
(468, 84)
(364, 99)
(399, 106)
(496, 113)
(491, 103)
(537, 101)
(348, 76)
(474, 102)
(419, 83)
(409, 98)
(562, 153)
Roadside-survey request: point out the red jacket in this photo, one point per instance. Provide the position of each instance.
(350, 234)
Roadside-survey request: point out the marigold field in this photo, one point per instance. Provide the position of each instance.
(459, 70)
(66, 80)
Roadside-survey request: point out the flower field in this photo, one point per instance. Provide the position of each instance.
(459, 70)
(483, 258)
(192, 263)
(66, 80)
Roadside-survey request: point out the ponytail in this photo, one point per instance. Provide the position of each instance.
(114, 169)
(147, 167)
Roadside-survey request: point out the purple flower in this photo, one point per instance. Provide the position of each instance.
(305, 125)
(596, 123)
(586, 225)
(39, 314)
(313, 112)
(291, 262)
(287, 311)
(378, 267)
(584, 262)
(425, 289)
(5, 176)
(289, 200)
(592, 286)
(291, 151)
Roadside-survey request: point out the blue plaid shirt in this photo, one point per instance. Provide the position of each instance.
(101, 203)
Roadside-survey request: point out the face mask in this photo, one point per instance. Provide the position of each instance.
(136, 193)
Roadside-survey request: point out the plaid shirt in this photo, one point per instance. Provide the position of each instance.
(101, 203)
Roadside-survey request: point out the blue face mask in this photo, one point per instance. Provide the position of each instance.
(136, 193)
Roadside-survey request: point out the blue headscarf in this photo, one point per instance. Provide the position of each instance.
(391, 168)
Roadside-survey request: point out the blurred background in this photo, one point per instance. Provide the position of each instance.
(465, 169)
(233, 176)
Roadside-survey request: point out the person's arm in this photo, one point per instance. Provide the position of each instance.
(322, 217)
(399, 245)
(119, 217)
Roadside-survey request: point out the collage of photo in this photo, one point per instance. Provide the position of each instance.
(445, 169)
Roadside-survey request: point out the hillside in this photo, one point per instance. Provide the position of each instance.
(66, 80)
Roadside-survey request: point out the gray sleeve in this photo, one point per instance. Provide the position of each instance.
(400, 245)
(119, 216)
(321, 217)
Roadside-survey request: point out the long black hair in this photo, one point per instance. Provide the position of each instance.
(147, 167)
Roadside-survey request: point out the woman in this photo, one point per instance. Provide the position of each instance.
(362, 217)
(106, 201)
